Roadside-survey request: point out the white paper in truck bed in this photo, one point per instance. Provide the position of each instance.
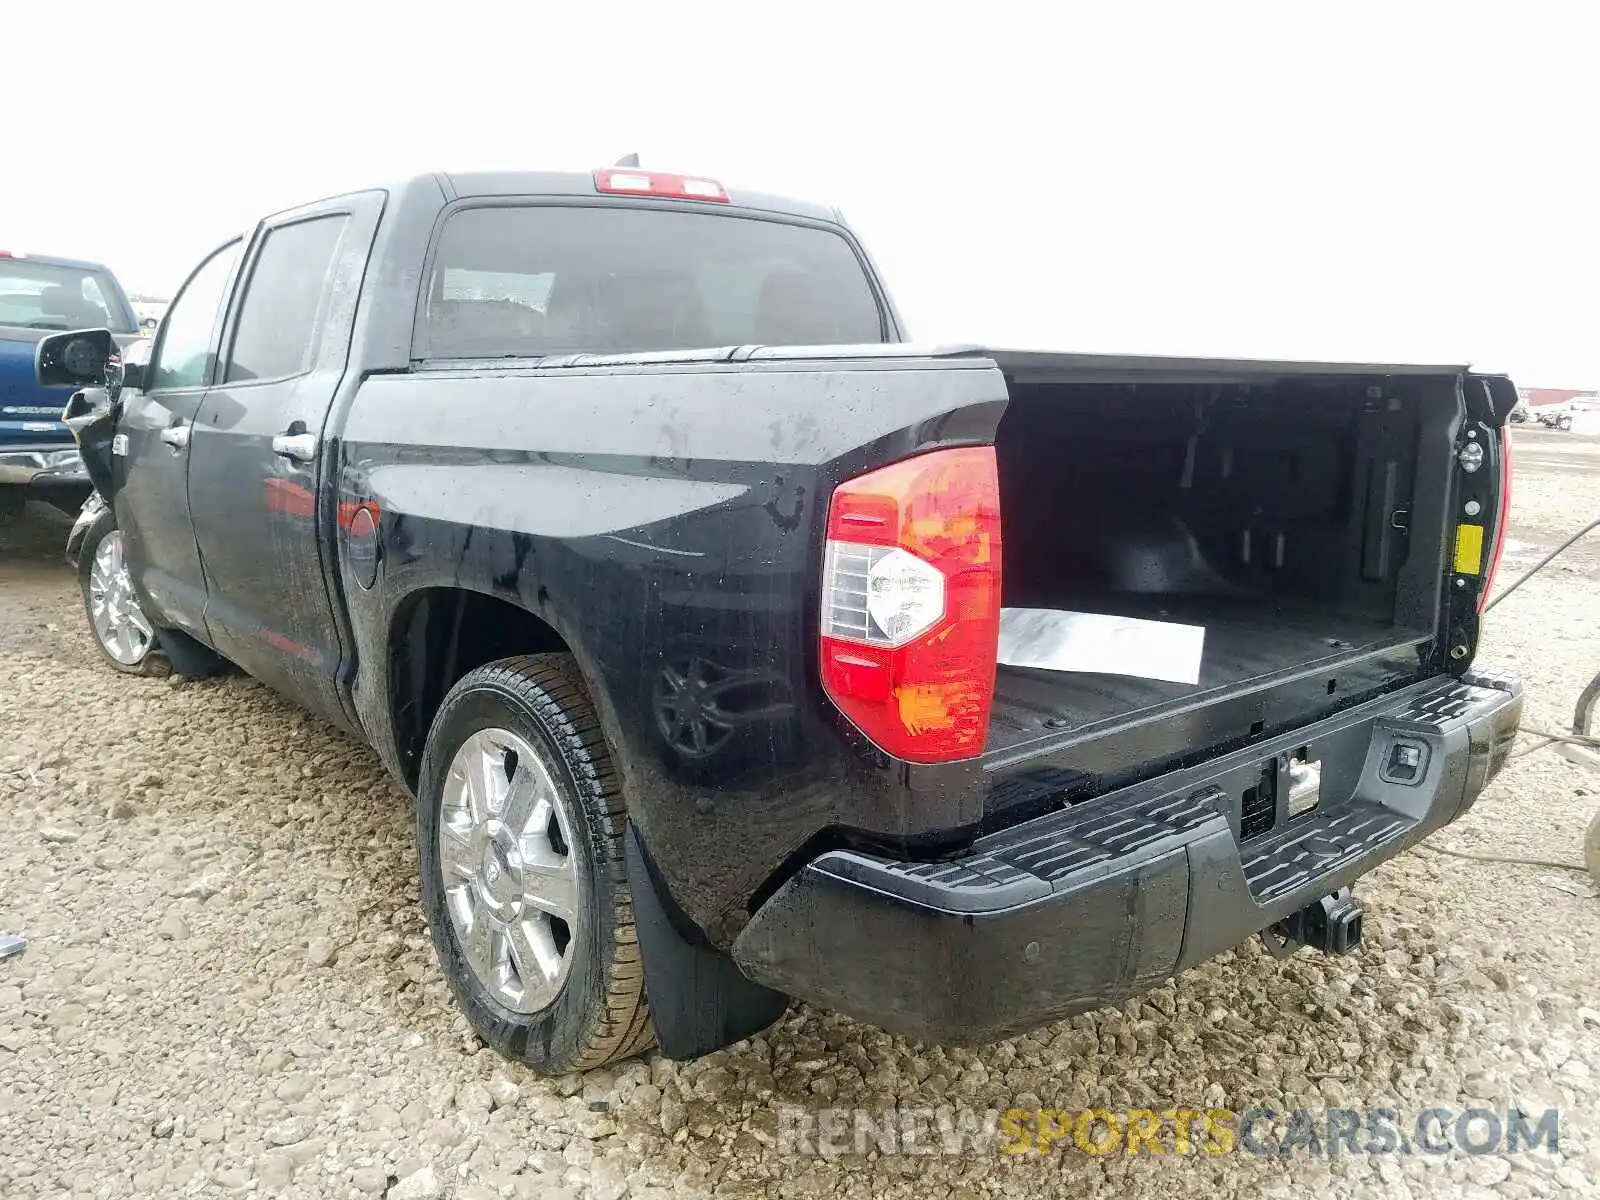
(1052, 640)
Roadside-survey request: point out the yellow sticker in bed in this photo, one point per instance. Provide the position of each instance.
(1469, 549)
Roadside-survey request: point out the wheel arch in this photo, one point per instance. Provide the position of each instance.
(437, 633)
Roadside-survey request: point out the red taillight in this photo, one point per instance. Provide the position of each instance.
(1502, 519)
(629, 181)
(911, 603)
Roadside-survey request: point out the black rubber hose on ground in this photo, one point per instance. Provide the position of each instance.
(1541, 564)
(1549, 739)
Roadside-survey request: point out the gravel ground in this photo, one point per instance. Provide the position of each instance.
(229, 987)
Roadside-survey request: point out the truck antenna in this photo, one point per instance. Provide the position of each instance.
(628, 160)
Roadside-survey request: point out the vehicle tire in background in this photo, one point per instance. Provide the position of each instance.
(125, 636)
(520, 834)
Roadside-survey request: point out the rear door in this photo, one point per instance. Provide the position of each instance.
(256, 478)
(151, 453)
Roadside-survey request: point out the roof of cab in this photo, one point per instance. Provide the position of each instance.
(52, 260)
(573, 183)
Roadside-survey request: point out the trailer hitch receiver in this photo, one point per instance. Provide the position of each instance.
(1332, 925)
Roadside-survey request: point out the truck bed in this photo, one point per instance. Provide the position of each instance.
(1297, 514)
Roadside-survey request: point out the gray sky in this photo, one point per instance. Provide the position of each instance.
(1268, 180)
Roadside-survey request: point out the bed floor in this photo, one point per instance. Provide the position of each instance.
(1247, 639)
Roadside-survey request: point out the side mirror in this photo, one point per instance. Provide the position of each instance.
(78, 357)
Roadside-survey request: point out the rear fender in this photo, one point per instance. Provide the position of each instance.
(667, 523)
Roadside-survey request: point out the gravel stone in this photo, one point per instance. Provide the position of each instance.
(1572, 1178)
(606, 1184)
(233, 1179)
(422, 1184)
(472, 1097)
(65, 1015)
(293, 1087)
(673, 1115)
(274, 1170)
(171, 981)
(303, 1152)
(1488, 1170)
(150, 1182)
(501, 1090)
(284, 1133)
(173, 927)
(321, 952)
(196, 889)
(567, 1085)
(59, 834)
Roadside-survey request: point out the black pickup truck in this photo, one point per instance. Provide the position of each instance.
(615, 513)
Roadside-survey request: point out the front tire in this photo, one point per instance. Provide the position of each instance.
(123, 633)
(520, 834)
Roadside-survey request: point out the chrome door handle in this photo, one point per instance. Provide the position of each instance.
(176, 436)
(302, 447)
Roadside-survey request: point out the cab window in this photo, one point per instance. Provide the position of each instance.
(188, 335)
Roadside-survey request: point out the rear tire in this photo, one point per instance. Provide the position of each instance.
(122, 632)
(563, 992)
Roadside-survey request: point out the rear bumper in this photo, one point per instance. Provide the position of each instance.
(1089, 905)
(42, 466)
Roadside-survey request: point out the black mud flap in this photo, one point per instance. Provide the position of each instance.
(699, 1000)
(188, 657)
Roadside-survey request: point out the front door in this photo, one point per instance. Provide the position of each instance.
(150, 459)
(256, 474)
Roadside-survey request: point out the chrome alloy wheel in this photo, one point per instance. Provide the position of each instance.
(114, 611)
(511, 881)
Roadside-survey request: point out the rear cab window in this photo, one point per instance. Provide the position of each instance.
(537, 279)
(41, 295)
